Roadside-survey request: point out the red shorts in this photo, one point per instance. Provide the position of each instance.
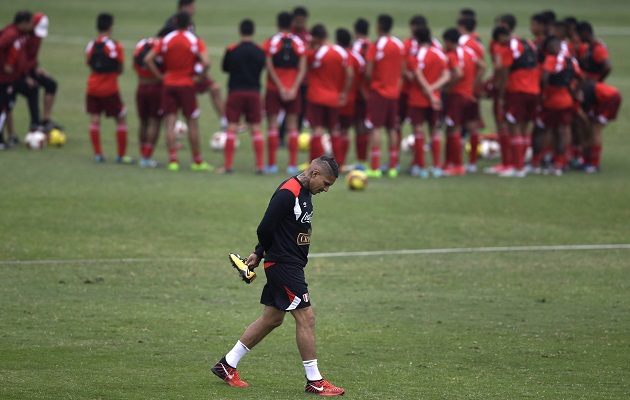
(149, 101)
(459, 109)
(420, 115)
(381, 111)
(520, 107)
(112, 105)
(607, 110)
(553, 117)
(345, 122)
(348, 109)
(319, 115)
(176, 97)
(273, 104)
(243, 102)
(203, 85)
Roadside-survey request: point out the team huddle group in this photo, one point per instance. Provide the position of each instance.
(548, 93)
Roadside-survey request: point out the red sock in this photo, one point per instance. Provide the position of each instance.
(595, 154)
(228, 150)
(418, 149)
(121, 139)
(172, 155)
(537, 160)
(559, 161)
(376, 158)
(526, 142)
(457, 150)
(449, 151)
(293, 147)
(95, 136)
(361, 141)
(393, 158)
(317, 148)
(515, 146)
(258, 142)
(474, 147)
(345, 146)
(146, 150)
(273, 141)
(505, 144)
(336, 146)
(576, 151)
(436, 149)
(197, 158)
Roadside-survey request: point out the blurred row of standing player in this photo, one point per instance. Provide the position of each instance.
(378, 85)
(21, 73)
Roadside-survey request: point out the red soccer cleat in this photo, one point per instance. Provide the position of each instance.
(323, 388)
(229, 375)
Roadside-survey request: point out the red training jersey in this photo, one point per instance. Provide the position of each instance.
(591, 57)
(102, 84)
(180, 51)
(466, 60)
(285, 50)
(326, 75)
(357, 63)
(524, 80)
(12, 53)
(387, 54)
(558, 97)
(141, 69)
(431, 62)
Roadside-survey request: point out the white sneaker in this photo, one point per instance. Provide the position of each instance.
(513, 173)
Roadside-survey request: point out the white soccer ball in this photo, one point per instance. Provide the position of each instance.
(35, 140)
(490, 149)
(407, 144)
(180, 128)
(218, 139)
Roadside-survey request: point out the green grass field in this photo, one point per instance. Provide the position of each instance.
(114, 280)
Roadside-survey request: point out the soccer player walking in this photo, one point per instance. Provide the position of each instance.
(105, 59)
(284, 236)
(244, 63)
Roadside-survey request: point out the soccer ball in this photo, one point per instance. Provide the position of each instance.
(356, 180)
(407, 144)
(304, 141)
(218, 139)
(56, 138)
(35, 140)
(180, 128)
(489, 149)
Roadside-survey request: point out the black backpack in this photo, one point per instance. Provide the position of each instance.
(286, 57)
(564, 77)
(527, 60)
(100, 61)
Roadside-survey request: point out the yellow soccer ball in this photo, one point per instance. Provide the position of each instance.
(304, 141)
(56, 138)
(356, 180)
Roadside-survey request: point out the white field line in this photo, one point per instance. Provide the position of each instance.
(341, 254)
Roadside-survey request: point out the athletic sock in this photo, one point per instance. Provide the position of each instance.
(335, 138)
(517, 154)
(293, 147)
(393, 158)
(121, 139)
(418, 149)
(312, 372)
(376, 158)
(317, 148)
(457, 150)
(506, 147)
(95, 137)
(228, 150)
(197, 158)
(361, 141)
(595, 154)
(273, 141)
(146, 150)
(258, 142)
(235, 355)
(172, 155)
(436, 149)
(345, 146)
(474, 147)
(449, 151)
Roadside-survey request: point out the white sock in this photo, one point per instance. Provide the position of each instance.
(224, 121)
(312, 372)
(235, 355)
